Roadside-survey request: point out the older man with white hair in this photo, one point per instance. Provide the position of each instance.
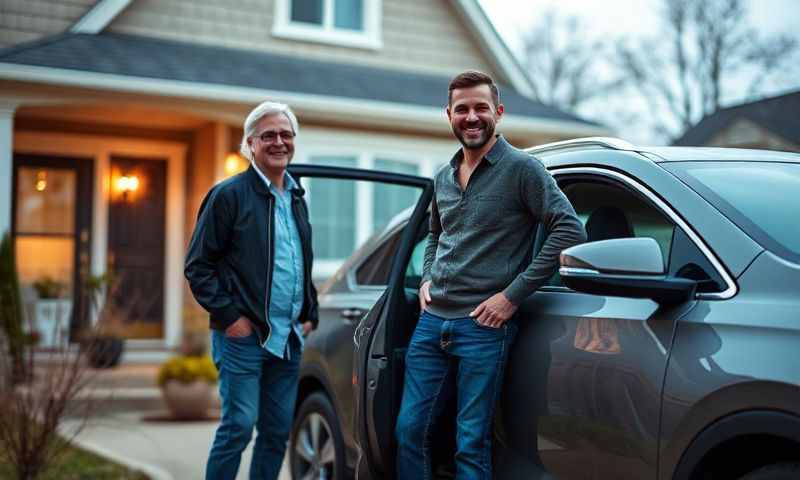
(249, 265)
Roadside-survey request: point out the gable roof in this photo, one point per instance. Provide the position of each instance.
(495, 49)
(122, 55)
(778, 115)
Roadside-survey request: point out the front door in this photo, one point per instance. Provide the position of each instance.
(136, 245)
(51, 225)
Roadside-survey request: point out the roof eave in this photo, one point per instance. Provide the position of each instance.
(326, 108)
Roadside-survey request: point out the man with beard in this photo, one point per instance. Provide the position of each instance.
(477, 270)
(249, 265)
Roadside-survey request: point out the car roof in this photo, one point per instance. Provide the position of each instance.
(662, 154)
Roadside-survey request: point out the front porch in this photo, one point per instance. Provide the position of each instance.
(74, 218)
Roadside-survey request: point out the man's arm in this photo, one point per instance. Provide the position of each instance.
(207, 247)
(548, 203)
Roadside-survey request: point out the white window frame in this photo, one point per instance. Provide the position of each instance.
(370, 38)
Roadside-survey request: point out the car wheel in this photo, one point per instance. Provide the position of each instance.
(316, 446)
(777, 471)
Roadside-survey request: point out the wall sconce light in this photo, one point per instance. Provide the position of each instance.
(127, 183)
(234, 163)
(41, 181)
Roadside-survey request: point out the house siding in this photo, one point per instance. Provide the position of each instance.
(29, 20)
(418, 35)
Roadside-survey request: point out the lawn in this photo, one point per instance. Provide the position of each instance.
(77, 464)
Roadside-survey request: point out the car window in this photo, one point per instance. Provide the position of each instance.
(374, 271)
(414, 269)
(759, 197)
(608, 211)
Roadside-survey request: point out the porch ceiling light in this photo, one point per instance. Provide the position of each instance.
(41, 181)
(234, 163)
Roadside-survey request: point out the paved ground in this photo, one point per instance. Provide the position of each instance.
(164, 450)
(130, 428)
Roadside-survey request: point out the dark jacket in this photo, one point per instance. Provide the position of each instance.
(230, 260)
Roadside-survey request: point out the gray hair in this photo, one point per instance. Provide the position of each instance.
(264, 110)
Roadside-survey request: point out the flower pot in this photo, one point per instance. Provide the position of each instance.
(51, 321)
(188, 401)
(104, 352)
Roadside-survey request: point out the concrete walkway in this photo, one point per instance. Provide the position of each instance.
(163, 450)
(129, 428)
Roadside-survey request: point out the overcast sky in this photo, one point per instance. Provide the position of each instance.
(614, 18)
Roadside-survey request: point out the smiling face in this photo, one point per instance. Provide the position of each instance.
(272, 144)
(473, 115)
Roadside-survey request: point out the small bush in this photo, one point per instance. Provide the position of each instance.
(187, 369)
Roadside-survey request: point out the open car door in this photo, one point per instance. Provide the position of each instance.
(384, 332)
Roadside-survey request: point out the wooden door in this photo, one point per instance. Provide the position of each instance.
(136, 244)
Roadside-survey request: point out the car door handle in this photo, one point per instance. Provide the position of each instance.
(352, 314)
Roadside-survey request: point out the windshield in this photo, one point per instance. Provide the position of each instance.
(762, 198)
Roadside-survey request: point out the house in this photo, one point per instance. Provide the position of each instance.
(117, 116)
(771, 123)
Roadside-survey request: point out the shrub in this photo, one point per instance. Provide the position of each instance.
(187, 369)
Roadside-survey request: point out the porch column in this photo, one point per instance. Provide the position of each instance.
(6, 163)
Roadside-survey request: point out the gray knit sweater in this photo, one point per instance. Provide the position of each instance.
(481, 238)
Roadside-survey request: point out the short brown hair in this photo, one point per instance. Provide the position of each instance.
(473, 78)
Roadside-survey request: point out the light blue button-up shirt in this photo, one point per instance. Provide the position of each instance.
(286, 294)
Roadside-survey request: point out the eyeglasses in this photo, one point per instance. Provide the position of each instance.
(270, 136)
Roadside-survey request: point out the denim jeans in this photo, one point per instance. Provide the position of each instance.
(451, 355)
(257, 390)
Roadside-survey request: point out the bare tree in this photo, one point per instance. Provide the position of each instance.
(564, 65)
(703, 44)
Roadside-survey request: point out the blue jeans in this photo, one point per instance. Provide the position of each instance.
(258, 390)
(447, 355)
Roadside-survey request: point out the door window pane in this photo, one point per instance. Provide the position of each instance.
(375, 269)
(610, 211)
(46, 200)
(332, 205)
(349, 14)
(307, 11)
(45, 226)
(389, 200)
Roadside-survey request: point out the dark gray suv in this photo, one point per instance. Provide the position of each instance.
(667, 346)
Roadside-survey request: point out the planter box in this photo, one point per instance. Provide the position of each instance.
(51, 319)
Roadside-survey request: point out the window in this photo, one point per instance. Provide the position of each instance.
(609, 210)
(760, 197)
(389, 200)
(354, 23)
(375, 270)
(332, 204)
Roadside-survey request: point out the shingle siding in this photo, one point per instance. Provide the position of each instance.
(27, 20)
(418, 35)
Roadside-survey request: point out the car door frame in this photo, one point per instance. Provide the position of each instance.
(372, 357)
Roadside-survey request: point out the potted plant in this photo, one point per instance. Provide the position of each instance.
(187, 385)
(103, 343)
(51, 312)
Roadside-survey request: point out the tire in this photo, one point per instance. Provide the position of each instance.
(776, 471)
(316, 447)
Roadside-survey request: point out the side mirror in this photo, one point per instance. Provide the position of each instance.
(623, 267)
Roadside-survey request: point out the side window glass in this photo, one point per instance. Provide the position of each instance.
(610, 211)
(375, 269)
(687, 261)
(414, 269)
